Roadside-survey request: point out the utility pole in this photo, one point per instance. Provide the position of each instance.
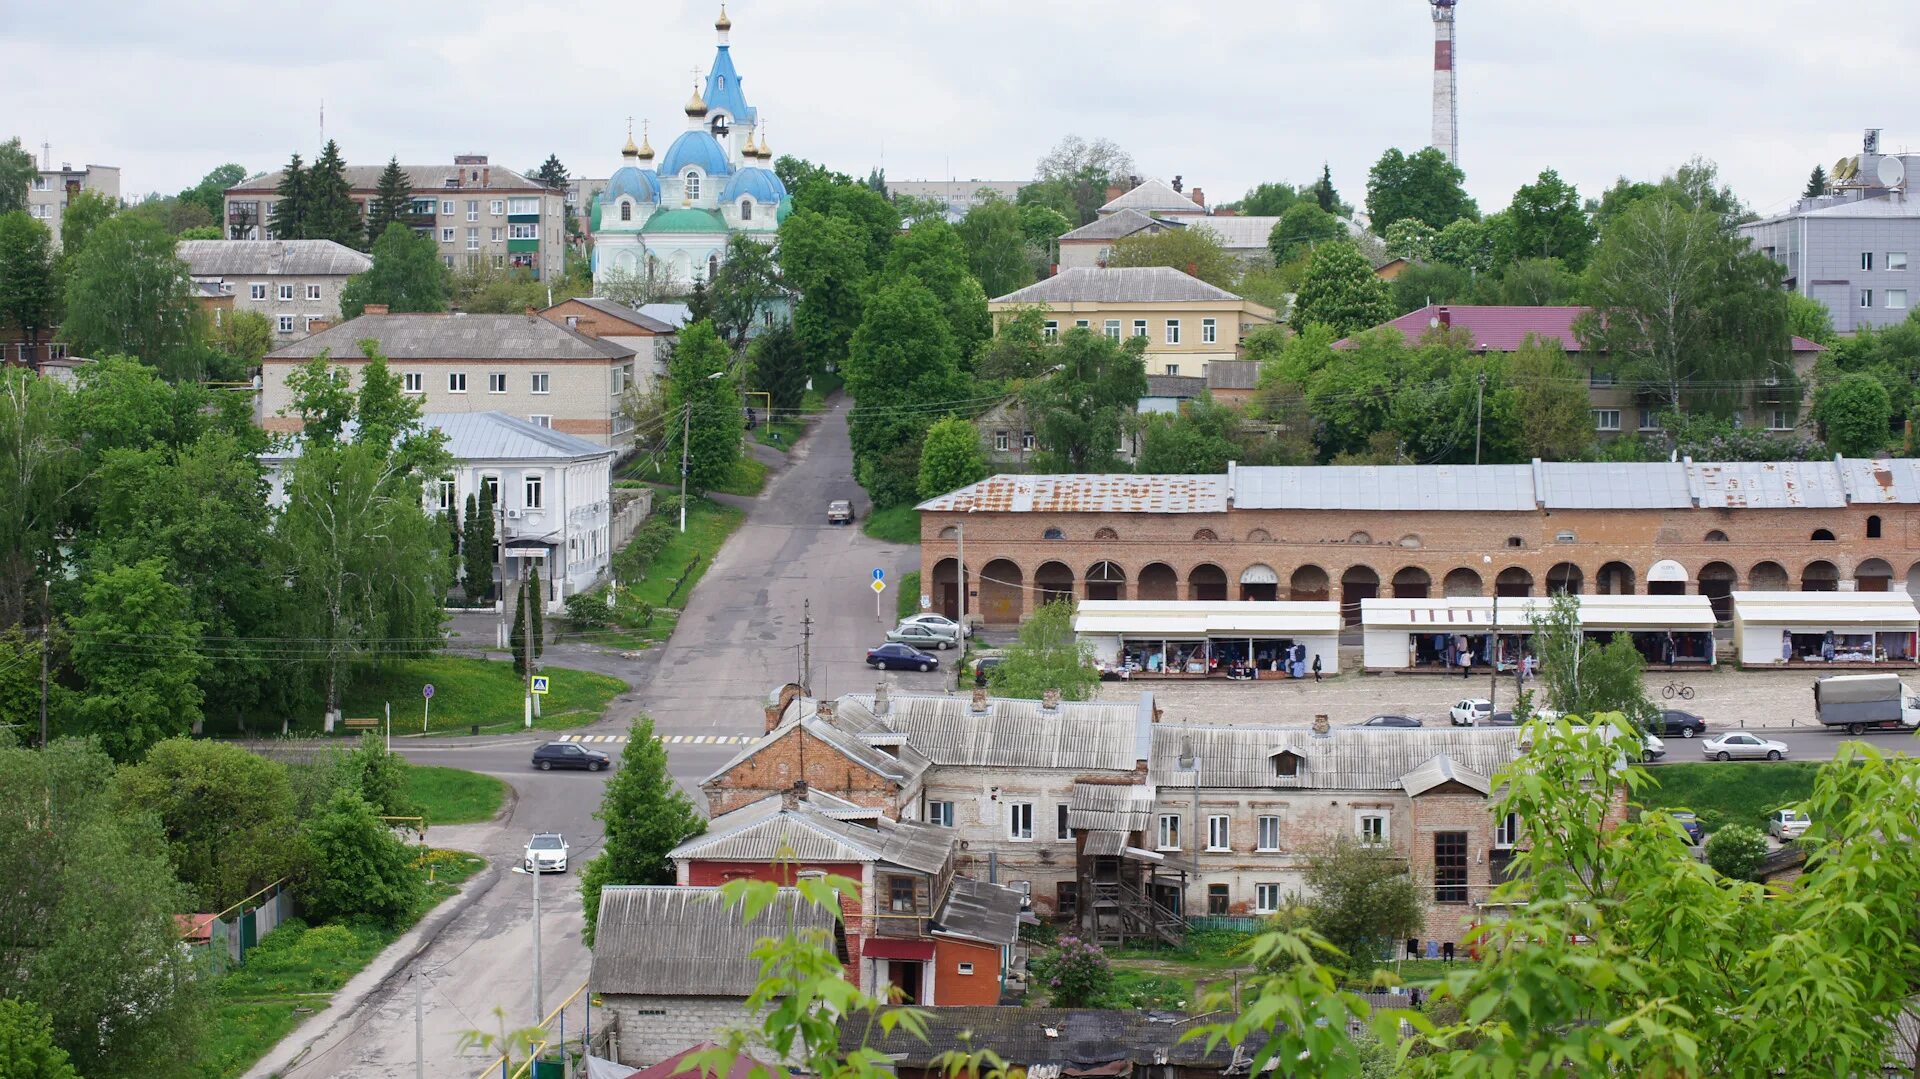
(1493, 648)
(960, 531)
(526, 644)
(46, 644)
(419, 1030)
(806, 648)
(686, 436)
(539, 1002)
(1479, 398)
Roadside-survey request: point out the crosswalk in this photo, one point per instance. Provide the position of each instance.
(665, 739)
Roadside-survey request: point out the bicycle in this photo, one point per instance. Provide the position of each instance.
(1676, 689)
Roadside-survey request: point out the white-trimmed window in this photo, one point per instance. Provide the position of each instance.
(1599, 379)
(1139, 327)
(528, 205)
(285, 323)
(541, 382)
(446, 492)
(1866, 260)
(1506, 832)
(456, 382)
(1050, 330)
(1209, 331)
(1020, 820)
(531, 490)
(446, 236)
(446, 207)
(490, 483)
(497, 234)
(1649, 420)
(1026, 441)
(257, 290)
(1218, 832)
(473, 239)
(1606, 419)
(1169, 838)
(1269, 834)
(964, 968)
(1866, 297)
(1173, 331)
(523, 230)
(497, 207)
(1000, 441)
(1112, 329)
(39, 183)
(746, 209)
(1173, 369)
(1082, 324)
(1266, 898)
(1896, 260)
(1780, 420)
(313, 292)
(1061, 831)
(413, 382)
(1372, 827)
(286, 293)
(540, 419)
(940, 813)
(692, 182)
(1896, 299)
(496, 382)
(473, 209)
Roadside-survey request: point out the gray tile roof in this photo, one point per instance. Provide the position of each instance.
(1113, 226)
(1153, 195)
(1119, 284)
(1347, 758)
(1233, 374)
(980, 911)
(669, 941)
(1068, 1037)
(675, 315)
(271, 258)
(1093, 493)
(1180, 386)
(630, 314)
(1115, 807)
(421, 178)
(1015, 733)
(496, 436)
(454, 337)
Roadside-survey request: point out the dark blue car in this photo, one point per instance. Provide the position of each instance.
(900, 657)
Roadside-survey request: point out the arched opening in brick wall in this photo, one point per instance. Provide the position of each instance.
(1613, 579)
(1513, 581)
(1105, 580)
(1159, 581)
(1565, 577)
(1666, 578)
(1913, 580)
(1873, 575)
(1054, 581)
(945, 588)
(1717, 580)
(1207, 581)
(1461, 583)
(1820, 576)
(1412, 582)
(1309, 584)
(1002, 592)
(1356, 584)
(1767, 577)
(1259, 582)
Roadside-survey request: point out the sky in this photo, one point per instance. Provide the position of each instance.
(1226, 94)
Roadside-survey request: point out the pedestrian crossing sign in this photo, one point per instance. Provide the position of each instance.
(879, 587)
(540, 683)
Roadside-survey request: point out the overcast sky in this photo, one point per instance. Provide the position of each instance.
(1226, 93)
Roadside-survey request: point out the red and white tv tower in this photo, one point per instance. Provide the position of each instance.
(1446, 113)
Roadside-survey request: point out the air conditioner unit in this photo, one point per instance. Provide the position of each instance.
(513, 515)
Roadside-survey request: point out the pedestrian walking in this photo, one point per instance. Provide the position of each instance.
(1316, 667)
(1466, 664)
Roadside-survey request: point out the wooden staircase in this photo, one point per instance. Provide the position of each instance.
(1124, 912)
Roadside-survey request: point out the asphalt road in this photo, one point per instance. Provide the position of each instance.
(1803, 743)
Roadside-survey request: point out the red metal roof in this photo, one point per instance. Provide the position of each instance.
(741, 1067)
(1504, 328)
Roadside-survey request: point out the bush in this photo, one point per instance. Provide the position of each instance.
(379, 776)
(1737, 851)
(589, 610)
(1075, 973)
(358, 867)
(649, 539)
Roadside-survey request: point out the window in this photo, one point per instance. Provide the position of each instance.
(540, 420)
(313, 292)
(1209, 331)
(285, 292)
(1100, 257)
(532, 492)
(1716, 536)
(497, 382)
(746, 209)
(541, 381)
(1173, 331)
(456, 382)
(1020, 820)
(413, 382)
(713, 267)
(528, 205)
(39, 183)
(1286, 764)
(1219, 899)
(692, 180)
(447, 260)
(1450, 867)
(1081, 324)
(1866, 297)
(1606, 419)
(1026, 441)
(1896, 260)
(1780, 420)
(1217, 832)
(496, 207)
(1599, 379)
(1505, 832)
(1649, 420)
(446, 489)
(446, 236)
(1866, 260)
(496, 234)
(499, 261)
(1896, 299)
(940, 813)
(1139, 327)
(1515, 541)
(1266, 898)
(965, 968)
(1050, 330)
(1067, 898)
(257, 291)
(1873, 527)
(309, 321)
(1269, 834)
(1173, 369)
(1060, 829)
(900, 895)
(473, 209)
(1000, 441)
(1112, 329)
(491, 485)
(1169, 831)
(1053, 534)
(286, 323)
(446, 205)
(523, 230)
(1821, 535)
(1373, 828)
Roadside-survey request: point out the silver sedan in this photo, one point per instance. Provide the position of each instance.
(1739, 745)
(922, 636)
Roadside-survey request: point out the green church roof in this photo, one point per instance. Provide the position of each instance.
(684, 219)
(783, 211)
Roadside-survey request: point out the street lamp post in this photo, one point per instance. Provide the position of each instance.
(1493, 637)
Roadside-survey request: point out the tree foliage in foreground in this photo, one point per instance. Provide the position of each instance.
(1047, 656)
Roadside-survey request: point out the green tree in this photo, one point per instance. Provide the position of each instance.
(136, 655)
(933, 252)
(1816, 183)
(746, 286)
(700, 385)
(1855, 415)
(17, 170)
(39, 469)
(1270, 200)
(950, 457)
(1586, 678)
(477, 548)
(392, 201)
(779, 365)
(1043, 226)
(127, 294)
(406, 275)
(378, 775)
(1546, 221)
(247, 335)
(1194, 250)
(1737, 851)
(1412, 239)
(228, 815)
(1464, 243)
(1326, 196)
(1084, 169)
(551, 173)
(1197, 439)
(903, 366)
(1431, 283)
(644, 814)
(1809, 318)
(84, 213)
(875, 219)
(1019, 348)
(1047, 656)
(292, 210)
(1536, 283)
(27, 1050)
(29, 297)
(1363, 902)
(821, 258)
(1082, 407)
(1340, 291)
(1423, 185)
(527, 619)
(1555, 421)
(356, 866)
(1303, 227)
(998, 248)
(211, 192)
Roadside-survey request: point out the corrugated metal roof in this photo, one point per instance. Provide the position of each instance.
(1095, 493)
(1112, 226)
(491, 436)
(768, 830)
(1153, 195)
(1236, 232)
(1826, 608)
(1881, 479)
(1011, 733)
(453, 337)
(1119, 284)
(1612, 485)
(1177, 386)
(271, 258)
(1769, 484)
(980, 911)
(1120, 808)
(421, 179)
(1063, 1038)
(622, 311)
(1347, 758)
(670, 941)
(1105, 844)
(1233, 374)
(1439, 770)
(1384, 487)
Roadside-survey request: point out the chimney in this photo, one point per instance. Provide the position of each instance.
(1446, 318)
(791, 798)
(318, 325)
(1176, 183)
(486, 175)
(1050, 700)
(374, 309)
(979, 701)
(1199, 197)
(882, 704)
(1114, 191)
(823, 709)
(1193, 269)
(1321, 728)
(532, 312)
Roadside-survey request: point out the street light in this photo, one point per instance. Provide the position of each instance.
(1190, 762)
(539, 1002)
(1493, 636)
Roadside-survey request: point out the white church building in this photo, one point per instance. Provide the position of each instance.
(671, 220)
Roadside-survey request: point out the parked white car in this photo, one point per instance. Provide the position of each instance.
(546, 853)
(945, 625)
(1471, 712)
(1739, 745)
(1788, 824)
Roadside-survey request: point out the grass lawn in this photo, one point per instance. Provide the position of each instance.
(1179, 977)
(1724, 793)
(453, 795)
(749, 477)
(788, 430)
(469, 691)
(906, 601)
(708, 526)
(295, 971)
(901, 524)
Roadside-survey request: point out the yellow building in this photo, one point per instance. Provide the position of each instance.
(1188, 323)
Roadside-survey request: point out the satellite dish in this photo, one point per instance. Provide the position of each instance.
(1892, 172)
(1847, 168)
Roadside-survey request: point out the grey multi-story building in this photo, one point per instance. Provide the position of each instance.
(52, 189)
(295, 283)
(1851, 248)
(478, 214)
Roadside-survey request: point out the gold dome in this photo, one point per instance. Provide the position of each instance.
(630, 150)
(696, 106)
(723, 23)
(746, 149)
(766, 152)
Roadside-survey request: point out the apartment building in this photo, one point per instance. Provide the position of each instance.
(1186, 322)
(526, 366)
(52, 189)
(478, 213)
(296, 284)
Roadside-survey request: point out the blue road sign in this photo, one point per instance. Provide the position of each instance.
(879, 575)
(427, 691)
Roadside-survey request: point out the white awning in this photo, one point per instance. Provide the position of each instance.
(1890, 610)
(1667, 570)
(1474, 614)
(1195, 619)
(1259, 573)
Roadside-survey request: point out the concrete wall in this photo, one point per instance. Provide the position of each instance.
(300, 309)
(1821, 252)
(1232, 320)
(579, 401)
(981, 797)
(651, 1029)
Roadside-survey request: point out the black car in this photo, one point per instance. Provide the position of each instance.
(1392, 721)
(568, 755)
(1685, 724)
(1500, 719)
(983, 669)
(900, 657)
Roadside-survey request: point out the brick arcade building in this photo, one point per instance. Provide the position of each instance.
(1351, 533)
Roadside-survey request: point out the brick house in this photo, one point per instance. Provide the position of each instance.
(648, 337)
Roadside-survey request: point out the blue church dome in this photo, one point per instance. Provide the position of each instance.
(641, 185)
(756, 183)
(699, 149)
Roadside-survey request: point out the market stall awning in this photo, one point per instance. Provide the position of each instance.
(1196, 619)
(1890, 610)
(1474, 614)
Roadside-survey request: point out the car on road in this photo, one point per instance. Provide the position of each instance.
(1788, 824)
(568, 755)
(1739, 745)
(894, 656)
(1655, 748)
(983, 669)
(1689, 823)
(546, 853)
(1685, 724)
(1390, 720)
(922, 636)
(1469, 712)
(839, 512)
(1502, 718)
(937, 621)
